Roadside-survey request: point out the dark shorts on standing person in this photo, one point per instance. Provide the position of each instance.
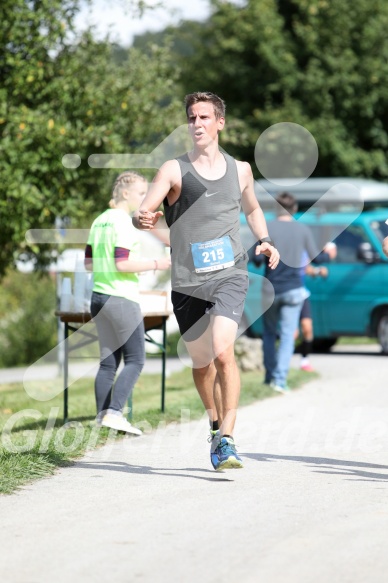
(306, 310)
(193, 306)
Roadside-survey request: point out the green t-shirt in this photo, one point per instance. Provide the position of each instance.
(111, 229)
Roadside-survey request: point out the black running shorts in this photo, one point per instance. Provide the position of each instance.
(193, 306)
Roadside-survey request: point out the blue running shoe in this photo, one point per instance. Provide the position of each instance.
(225, 455)
(214, 439)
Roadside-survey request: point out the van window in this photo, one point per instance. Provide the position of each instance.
(380, 228)
(348, 241)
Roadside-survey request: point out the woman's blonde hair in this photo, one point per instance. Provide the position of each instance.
(121, 183)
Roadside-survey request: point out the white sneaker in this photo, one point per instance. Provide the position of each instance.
(98, 420)
(279, 389)
(119, 423)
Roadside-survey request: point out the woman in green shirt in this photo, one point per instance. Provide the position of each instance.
(113, 254)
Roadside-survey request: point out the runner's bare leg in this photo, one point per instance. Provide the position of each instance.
(218, 381)
(204, 371)
(224, 332)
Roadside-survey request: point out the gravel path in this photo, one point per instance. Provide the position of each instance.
(310, 506)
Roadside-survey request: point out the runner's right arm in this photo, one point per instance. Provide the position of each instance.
(163, 183)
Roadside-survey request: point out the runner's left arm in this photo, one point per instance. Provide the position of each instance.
(254, 214)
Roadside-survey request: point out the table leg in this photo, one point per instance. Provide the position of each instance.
(164, 364)
(66, 375)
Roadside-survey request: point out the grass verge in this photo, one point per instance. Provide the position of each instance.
(34, 442)
(357, 340)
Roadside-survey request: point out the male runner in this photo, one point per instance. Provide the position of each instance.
(202, 193)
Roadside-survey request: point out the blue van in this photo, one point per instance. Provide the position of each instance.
(353, 299)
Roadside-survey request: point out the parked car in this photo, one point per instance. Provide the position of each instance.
(353, 299)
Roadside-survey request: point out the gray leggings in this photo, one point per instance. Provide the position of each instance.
(120, 329)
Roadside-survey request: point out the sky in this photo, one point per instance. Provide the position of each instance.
(110, 16)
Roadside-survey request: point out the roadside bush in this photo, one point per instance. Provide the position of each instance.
(28, 328)
(172, 342)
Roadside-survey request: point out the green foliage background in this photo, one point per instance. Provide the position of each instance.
(318, 63)
(64, 93)
(60, 94)
(28, 328)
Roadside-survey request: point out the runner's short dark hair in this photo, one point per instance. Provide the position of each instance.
(208, 97)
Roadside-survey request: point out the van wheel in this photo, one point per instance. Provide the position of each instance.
(323, 344)
(382, 332)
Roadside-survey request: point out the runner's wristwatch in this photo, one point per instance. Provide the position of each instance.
(267, 240)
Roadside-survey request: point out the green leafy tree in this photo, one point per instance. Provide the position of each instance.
(28, 328)
(62, 94)
(181, 37)
(318, 63)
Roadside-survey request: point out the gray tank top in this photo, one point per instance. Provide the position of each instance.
(206, 213)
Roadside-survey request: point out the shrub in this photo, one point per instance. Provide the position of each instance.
(28, 328)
